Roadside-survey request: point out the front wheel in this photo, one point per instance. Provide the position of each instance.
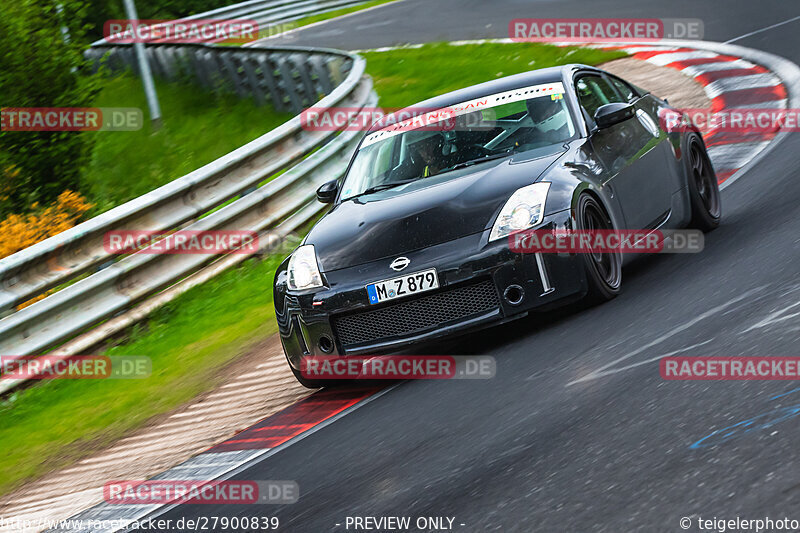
(603, 269)
(307, 383)
(703, 189)
(312, 383)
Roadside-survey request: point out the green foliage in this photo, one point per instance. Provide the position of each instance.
(39, 67)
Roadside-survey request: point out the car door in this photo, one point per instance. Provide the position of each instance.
(632, 152)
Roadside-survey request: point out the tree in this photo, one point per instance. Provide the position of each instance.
(39, 67)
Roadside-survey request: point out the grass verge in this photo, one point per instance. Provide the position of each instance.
(405, 76)
(197, 128)
(57, 423)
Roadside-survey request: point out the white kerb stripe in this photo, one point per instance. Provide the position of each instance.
(666, 59)
(726, 156)
(737, 83)
(696, 70)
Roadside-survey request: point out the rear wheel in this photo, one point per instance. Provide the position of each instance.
(703, 189)
(603, 269)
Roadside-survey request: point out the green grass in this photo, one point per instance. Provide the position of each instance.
(408, 75)
(197, 128)
(58, 422)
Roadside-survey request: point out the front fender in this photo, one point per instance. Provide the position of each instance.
(577, 173)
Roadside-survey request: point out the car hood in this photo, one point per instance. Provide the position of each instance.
(398, 221)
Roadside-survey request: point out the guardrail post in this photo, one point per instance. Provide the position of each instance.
(163, 62)
(323, 76)
(300, 62)
(290, 86)
(200, 60)
(231, 68)
(268, 78)
(336, 68)
(127, 59)
(180, 63)
(252, 81)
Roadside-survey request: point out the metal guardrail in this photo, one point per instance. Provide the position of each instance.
(63, 257)
(292, 78)
(102, 286)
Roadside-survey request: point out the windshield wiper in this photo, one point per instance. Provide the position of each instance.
(393, 184)
(381, 187)
(470, 162)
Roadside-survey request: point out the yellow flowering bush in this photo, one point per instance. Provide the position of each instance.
(20, 231)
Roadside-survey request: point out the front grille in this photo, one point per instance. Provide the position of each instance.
(417, 315)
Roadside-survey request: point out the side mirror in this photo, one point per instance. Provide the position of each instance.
(327, 192)
(610, 114)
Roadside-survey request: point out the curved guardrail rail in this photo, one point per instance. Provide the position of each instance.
(63, 257)
(292, 77)
(105, 289)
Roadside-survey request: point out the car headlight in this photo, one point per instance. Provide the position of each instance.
(523, 210)
(303, 271)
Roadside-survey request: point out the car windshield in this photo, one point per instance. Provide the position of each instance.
(438, 142)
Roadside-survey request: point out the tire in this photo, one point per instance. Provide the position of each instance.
(603, 270)
(704, 194)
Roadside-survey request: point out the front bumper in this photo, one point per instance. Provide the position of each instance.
(474, 281)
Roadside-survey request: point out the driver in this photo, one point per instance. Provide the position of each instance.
(549, 117)
(427, 153)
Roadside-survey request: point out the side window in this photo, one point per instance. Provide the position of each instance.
(594, 91)
(627, 92)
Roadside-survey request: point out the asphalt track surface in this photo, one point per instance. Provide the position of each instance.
(577, 431)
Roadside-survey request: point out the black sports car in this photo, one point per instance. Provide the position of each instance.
(416, 244)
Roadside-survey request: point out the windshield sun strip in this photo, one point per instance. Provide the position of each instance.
(484, 102)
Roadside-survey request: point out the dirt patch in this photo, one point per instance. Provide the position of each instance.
(681, 91)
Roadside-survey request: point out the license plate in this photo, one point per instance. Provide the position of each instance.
(402, 286)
